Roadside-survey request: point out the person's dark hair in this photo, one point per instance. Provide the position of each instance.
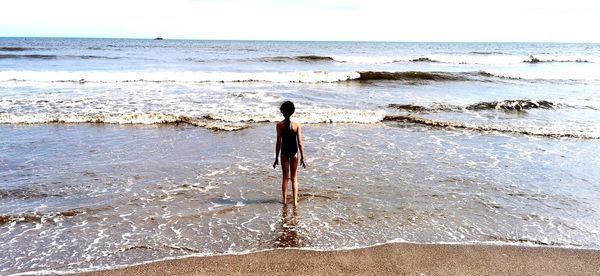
(287, 109)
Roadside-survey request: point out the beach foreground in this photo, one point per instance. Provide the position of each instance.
(386, 259)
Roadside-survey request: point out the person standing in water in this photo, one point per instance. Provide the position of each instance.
(289, 139)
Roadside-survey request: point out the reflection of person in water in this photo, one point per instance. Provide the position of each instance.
(289, 140)
(288, 228)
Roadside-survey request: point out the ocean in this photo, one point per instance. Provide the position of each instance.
(116, 152)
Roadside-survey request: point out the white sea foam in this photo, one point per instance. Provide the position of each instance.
(367, 59)
(136, 118)
(556, 74)
(175, 76)
(473, 59)
(492, 59)
(182, 77)
(221, 120)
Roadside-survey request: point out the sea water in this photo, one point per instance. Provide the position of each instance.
(118, 151)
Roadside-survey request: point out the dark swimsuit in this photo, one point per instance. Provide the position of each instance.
(289, 144)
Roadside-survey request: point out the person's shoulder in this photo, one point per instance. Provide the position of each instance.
(296, 125)
(280, 124)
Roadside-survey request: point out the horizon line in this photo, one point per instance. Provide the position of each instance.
(302, 40)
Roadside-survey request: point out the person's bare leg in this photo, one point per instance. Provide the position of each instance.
(294, 175)
(285, 167)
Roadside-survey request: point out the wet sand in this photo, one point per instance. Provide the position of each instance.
(386, 259)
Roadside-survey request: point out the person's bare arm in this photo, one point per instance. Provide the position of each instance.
(301, 146)
(277, 146)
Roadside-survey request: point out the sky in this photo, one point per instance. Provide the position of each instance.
(365, 20)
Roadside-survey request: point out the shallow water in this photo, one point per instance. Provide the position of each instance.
(120, 151)
(91, 196)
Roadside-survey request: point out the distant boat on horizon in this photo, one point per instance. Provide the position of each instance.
(158, 38)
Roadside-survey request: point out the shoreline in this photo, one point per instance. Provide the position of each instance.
(394, 258)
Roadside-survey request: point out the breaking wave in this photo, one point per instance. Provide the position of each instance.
(177, 76)
(522, 104)
(48, 57)
(507, 105)
(10, 56)
(410, 77)
(423, 59)
(419, 108)
(228, 122)
(91, 57)
(137, 118)
(15, 49)
(221, 122)
(307, 58)
(533, 59)
(426, 76)
(487, 53)
(481, 127)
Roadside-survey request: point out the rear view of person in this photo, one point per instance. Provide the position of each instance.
(289, 140)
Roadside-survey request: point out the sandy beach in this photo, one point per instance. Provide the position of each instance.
(386, 259)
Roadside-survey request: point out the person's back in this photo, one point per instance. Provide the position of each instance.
(289, 141)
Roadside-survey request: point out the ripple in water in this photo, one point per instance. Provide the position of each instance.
(134, 194)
